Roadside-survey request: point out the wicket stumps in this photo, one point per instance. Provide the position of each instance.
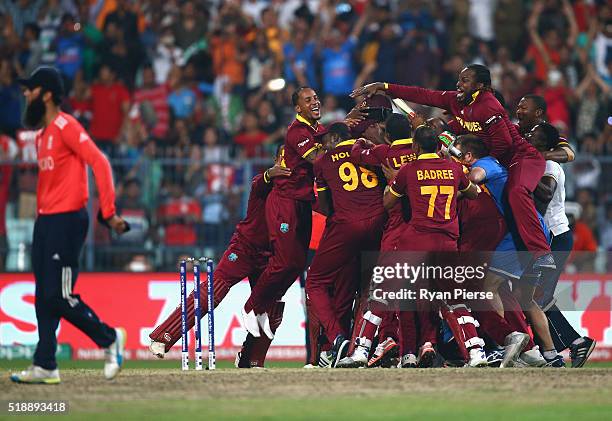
(197, 314)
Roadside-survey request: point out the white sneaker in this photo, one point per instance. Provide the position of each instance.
(478, 358)
(114, 355)
(158, 349)
(531, 358)
(264, 322)
(250, 323)
(310, 366)
(36, 375)
(358, 359)
(513, 346)
(408, 361)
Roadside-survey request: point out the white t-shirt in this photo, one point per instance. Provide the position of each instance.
(555, 217)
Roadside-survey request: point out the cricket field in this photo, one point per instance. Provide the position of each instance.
(159, 390)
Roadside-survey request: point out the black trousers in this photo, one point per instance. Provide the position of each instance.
(57, 244)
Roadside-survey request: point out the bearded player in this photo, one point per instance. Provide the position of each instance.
(476, 110)
(246, 257)
(288, 213)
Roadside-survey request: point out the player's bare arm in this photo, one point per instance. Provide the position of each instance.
(561, 154)
(470, 192)
(277, 171)
(544, 192)
(390, 198)
(477, 175)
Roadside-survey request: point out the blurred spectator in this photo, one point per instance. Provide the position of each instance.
(8, 152)
(299, 59)
(593, 109)
(10, 98)
(416, 63)
(338, 65)
(139, 263)
(166, 56)
(69, 48)
(332, 111)
(212, 151)
(149, 171)
(179, 216)
(130, 204)
(275, 35)
(110, 102)
(588, 214)
(21, 12)
(227, 106)
(190, 27)
(606, 234)
(250, 136)
(229, 54)
(585, 244)
(125, 20)
(80, 100)
(260, 62)
(32, 53)
(153, 97)
(182, 100)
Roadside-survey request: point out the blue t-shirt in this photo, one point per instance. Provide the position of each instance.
(182, 102)
(69, 54)
(338, 72)
(303, 58)
(495, 180)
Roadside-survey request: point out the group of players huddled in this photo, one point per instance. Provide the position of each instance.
(389, 182)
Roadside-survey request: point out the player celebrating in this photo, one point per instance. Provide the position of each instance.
(64, 150)
(288, 213)
(433, 204)
(351, 197)
(396, 153)
(246, 257)
(551, 193)
(531, 111)
(475, 109)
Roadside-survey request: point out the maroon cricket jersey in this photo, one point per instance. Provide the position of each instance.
(481, 224)
(299, 142)
(431, 184)
(484, 117)
(253, 227)
(356, 190)
(397, 154)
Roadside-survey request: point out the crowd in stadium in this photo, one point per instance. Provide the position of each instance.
(180, 93)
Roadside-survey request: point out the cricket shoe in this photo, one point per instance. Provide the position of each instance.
(514, 344)
(250, 322)
(579, 353)
(556, 362)
(36, 375)
(427, 355)
(495, 357)
(408, 361)
(114, 355)
(357, 360)
(325, 359)
(384, 352)
(339, 350)
(543, 263)
(531, 358)
(478, 358)
(264, 323)
(158, 349)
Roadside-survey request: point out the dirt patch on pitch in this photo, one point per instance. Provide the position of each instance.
(86, 390)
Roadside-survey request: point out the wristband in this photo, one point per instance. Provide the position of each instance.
(266, 176)
(386, 85)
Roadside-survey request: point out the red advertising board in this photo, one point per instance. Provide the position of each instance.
(138, 302)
